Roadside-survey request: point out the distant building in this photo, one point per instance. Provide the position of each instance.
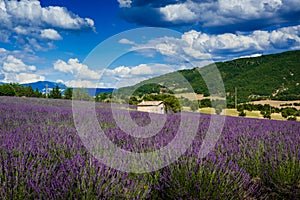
(152, 106)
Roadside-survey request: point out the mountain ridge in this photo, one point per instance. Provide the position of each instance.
(275, 76)
(42, 85)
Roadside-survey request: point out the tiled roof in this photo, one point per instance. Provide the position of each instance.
(150, 103)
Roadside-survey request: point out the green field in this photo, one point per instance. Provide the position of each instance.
(249, 114)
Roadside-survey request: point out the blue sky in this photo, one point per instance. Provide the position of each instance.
(83, 43)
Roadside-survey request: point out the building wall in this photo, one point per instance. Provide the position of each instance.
(153, 109)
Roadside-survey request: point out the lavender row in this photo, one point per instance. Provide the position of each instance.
(43, 157)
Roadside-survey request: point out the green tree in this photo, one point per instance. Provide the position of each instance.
(19, 89)
(81, 94)
(55, 93)
(28, 91)
(194, 105)
(240, 108)
(205, 103)
(242, 113)
(219, 109)
(133, 100)
(286, 112)
(104, 97)
(292, 118)
(267, 115)
(37, 93)
(171, 102)
(7, 90)
(68, 93)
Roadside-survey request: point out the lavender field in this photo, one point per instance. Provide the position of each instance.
(42, 157)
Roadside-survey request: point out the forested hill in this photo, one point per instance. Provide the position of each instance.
(275, 76)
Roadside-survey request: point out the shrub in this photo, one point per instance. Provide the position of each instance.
(192, 178)
(242, 114)
(292, 118)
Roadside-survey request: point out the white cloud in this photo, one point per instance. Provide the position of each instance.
(223, 12)
(197, 46)
(252, 56)
(24, 56)
(126, 41)
(12, 64)
(227, 12)
(122, 76)
(15, 70)
(140, 70)
(125, 3)
(249, 8)
(77, 69)
(50, 34)
(24, 78)
(4, 36)
(214, 15)
(30, 12)
(28, 17)
(129, 75)
(178, 13)
(20, 30)
(119, 71)
(2, 50)
(62, 18)
(86, 84)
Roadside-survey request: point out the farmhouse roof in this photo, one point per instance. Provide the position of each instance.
(150, 103)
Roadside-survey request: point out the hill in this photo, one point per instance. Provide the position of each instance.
(275, 76)
(42, 85)
(94, 91)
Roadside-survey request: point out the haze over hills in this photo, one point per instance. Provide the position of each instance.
(275, 76)
(42, 85)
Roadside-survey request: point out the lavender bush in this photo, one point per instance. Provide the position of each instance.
(42, 157)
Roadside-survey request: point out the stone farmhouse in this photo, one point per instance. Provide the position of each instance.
(152, 107)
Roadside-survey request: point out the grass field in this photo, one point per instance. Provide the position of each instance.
(277, 116)
(230, 112)
(207, 110)
(253, 114)
(249, 114)
(277, 104)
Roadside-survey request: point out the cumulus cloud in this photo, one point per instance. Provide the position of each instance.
(121, 76)
(214, 15)
(28, 17)
(178, 13)
(24, 56)
(20, 30)
(77, 69)
(50, 34)
(15, 70)
(128, 75)
(23, 78)
(197, 46)
(140, 70)
(30, 12)
(126, 41)
(4, 36)
(125, 3)
(86, 84)
(12, 64)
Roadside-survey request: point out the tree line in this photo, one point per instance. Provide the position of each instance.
(266, 110)
(14, 89)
